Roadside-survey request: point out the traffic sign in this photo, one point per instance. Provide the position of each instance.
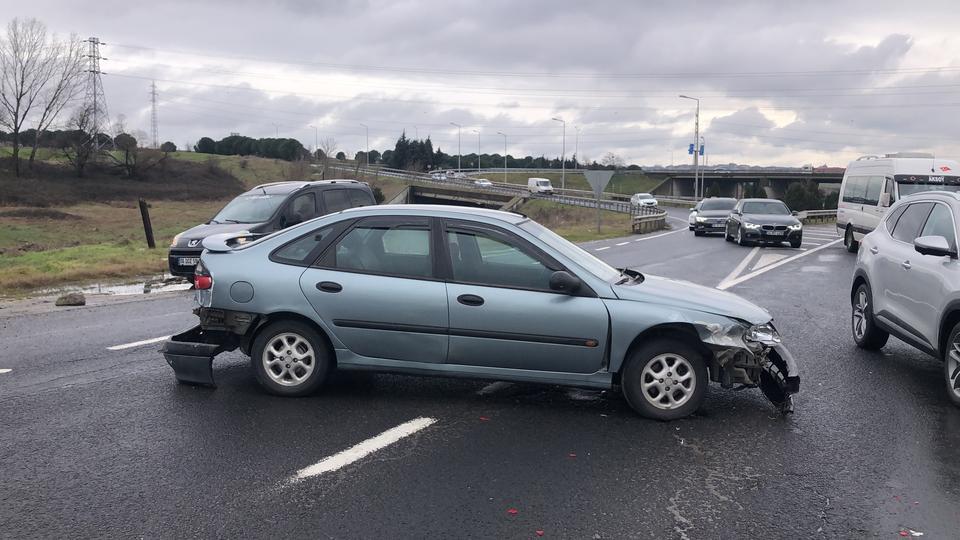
(598, 180)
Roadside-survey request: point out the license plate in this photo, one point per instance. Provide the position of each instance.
(188, 261)
(774, 233)
(718, 225)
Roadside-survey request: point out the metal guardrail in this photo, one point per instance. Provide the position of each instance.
(818, 214)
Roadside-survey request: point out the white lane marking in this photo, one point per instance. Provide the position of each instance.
(726, 285)
(364, 449)
(810, 244)
(659, 235)
(820, 236)
(603, 248)
(138, 343)
(5, 370)
(493, 387)
(743, 264)
(623, 243)
(768, 258)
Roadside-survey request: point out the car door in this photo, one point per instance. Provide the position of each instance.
(376, 288)
(894, 294)
(872, 211)
(503, 313)
(928, 288)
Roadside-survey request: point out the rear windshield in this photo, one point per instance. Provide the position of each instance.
(719, 205)
(250, 209)
(766, 207)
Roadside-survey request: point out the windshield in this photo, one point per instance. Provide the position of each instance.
(768, 207)
(719, 205)
(910, 189)
(543, 183)
(590, 263)
(643, 196)
(250, 209)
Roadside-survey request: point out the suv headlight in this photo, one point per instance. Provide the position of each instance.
(749, 225)
(176, 240)
(701, 219)
(762, 333)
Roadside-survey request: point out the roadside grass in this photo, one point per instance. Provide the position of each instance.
(37, 270)
(576, 223)
(625, 183)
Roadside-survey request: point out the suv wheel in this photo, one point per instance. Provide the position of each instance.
(849, 242)
(665, 379)
(951, 365)
(865, 331)
(290, 358)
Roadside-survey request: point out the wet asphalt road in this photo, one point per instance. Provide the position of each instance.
(99, 443)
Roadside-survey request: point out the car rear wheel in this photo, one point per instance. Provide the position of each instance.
(849, 241)
(290, 358)
(865, 331)
(951, 366)
(665, 379)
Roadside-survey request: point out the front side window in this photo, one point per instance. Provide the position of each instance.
(940, 223)
(485, 259)
(399, 249)
(335, 200)
(908, 226)
(571, 251)
(303, 207)
(871, 196)
(855, 189)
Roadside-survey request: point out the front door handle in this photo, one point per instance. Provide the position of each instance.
(905, 265)
(874, 250)
(470, 300)
(329, 286)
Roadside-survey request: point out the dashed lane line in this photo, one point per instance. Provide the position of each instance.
(727, 284)
(363, 449)
(603, 248)
(5, 370)
(138, 343)
(623, 243)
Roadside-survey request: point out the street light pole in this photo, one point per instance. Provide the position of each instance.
(458, 143)
(563, 154)
(367, 129)
(504, 155)
(576, 150)
(696, 148)
(477, 131)
(277, 128)
(316, 138)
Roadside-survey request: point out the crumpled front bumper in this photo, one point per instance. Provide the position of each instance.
(191, 353)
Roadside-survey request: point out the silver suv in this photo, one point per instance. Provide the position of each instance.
(907, 282)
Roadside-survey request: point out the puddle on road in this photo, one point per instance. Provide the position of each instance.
(165, 283)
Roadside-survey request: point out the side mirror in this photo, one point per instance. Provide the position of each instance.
(884, 200)
(933, 245)
(564, 282)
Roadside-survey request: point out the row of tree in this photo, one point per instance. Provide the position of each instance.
(239, 145)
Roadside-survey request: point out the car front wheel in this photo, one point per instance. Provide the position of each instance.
(865, 331)
(796, 243)
(951, 366)
(741, 239)
(290, 358)
(665, 379)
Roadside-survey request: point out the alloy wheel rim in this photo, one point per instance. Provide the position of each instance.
(953, 367)
(668, 381)
(860, 314)
(289, 359)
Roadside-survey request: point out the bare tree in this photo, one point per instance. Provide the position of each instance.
(328, 145)
(24, 74)
(65, 64)
(76, 143)
(612, 160)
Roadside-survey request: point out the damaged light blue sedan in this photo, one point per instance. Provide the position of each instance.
(464, 292)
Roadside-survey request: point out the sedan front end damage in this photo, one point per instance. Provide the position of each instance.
(751, 356)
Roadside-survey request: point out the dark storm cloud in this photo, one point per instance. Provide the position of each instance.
(779, 81)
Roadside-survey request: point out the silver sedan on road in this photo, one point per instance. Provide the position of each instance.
(461, 292)
(907, 281)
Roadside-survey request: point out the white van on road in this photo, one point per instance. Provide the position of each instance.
(872, 183)
(540, 185)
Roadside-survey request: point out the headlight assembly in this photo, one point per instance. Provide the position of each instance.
(701, 219)
(796, 227)
(749, 225)
(176, 240)
(762, 333)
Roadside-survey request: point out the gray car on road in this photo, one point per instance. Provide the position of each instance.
(907, 281)
(461, 292)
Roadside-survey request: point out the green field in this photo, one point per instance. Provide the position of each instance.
(624, 183)
(576, 223)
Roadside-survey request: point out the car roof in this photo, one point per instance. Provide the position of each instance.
(437, 210)
(760, 200)
(933, 194)
(279, 188)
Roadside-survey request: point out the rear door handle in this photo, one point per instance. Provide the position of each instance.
(905, 265)
(329, 286)
(874, 250)
(470, 300)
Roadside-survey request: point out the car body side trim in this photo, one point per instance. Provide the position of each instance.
(893, 324)
(465, 332)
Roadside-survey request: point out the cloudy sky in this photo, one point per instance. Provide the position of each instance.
(783, 83)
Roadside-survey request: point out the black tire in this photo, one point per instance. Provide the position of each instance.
(318, 353)
(849, 242)
(661, 350)
(866, 334)
(796, 243)
(951, 366)
(741, 238)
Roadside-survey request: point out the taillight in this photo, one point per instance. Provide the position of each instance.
(201, 278)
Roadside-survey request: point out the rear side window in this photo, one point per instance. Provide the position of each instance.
(908, 226)
(940, 223)
(380, 247)
(335, 200)
(359, 197)
(892, 218)
(305, 249)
